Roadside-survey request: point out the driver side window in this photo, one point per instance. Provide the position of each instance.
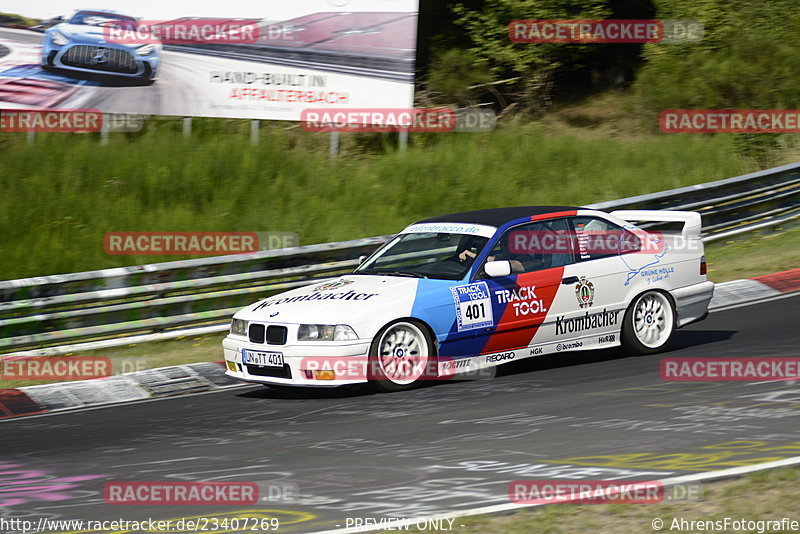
(535, 246)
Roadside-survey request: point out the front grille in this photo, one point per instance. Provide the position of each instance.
(276, 335)
(256, 333)
(273, 335)
(100, 58)
(273, 372)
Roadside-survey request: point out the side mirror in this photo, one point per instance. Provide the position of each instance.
(362, 259)
(497, 269)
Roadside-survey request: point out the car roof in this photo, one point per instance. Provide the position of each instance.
(96, 12)
(498, 216)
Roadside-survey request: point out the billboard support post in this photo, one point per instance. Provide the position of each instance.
(187, 127)
(104, 131)
(403, 140)
(334, 143)
(254, 131)
(31, 136)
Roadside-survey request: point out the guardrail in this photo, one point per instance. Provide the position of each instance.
(134, 304)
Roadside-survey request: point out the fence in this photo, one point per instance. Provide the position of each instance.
(122, 305)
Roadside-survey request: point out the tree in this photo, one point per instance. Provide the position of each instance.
(533, 64)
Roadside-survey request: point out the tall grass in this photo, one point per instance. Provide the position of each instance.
(59, 196)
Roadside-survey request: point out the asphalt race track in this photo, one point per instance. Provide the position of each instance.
(447, 447)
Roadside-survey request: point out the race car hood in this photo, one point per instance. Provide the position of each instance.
(351, 299)
(87, 34)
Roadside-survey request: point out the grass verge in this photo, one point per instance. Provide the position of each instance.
(61, 195)
(762, 496)
(746, 257)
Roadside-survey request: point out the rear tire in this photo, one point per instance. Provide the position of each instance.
(649, 324)
(401, 356)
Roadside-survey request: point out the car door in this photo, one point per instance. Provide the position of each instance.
(539, 252)
(592, 303)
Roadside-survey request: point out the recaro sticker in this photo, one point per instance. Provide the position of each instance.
(473, 306)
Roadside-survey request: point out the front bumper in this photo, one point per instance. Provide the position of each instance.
(115, 61)
(348, 360)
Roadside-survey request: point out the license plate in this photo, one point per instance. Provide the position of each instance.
(263, 359)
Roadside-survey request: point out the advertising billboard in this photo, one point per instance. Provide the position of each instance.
(238, 59)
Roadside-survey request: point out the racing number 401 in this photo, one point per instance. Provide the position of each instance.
(475, 311)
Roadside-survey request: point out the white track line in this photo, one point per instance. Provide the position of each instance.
(498, 508)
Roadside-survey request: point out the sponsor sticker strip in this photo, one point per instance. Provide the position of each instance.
(451, 228)
(588, 321)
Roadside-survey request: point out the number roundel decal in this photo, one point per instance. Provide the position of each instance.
(473, 306)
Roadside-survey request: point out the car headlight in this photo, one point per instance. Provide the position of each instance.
(145, 50)
(239, 327)
(58, 39)
(325, 332)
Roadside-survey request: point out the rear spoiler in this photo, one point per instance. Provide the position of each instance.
(691, 220)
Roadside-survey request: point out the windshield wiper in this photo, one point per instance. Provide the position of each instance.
(393, 273)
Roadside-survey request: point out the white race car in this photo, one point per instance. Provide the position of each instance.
(463, 292)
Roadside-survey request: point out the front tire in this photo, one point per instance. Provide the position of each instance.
(401, 356)
(649, 324)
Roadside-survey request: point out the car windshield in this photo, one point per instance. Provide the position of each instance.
(446, 256)
(99, 19)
